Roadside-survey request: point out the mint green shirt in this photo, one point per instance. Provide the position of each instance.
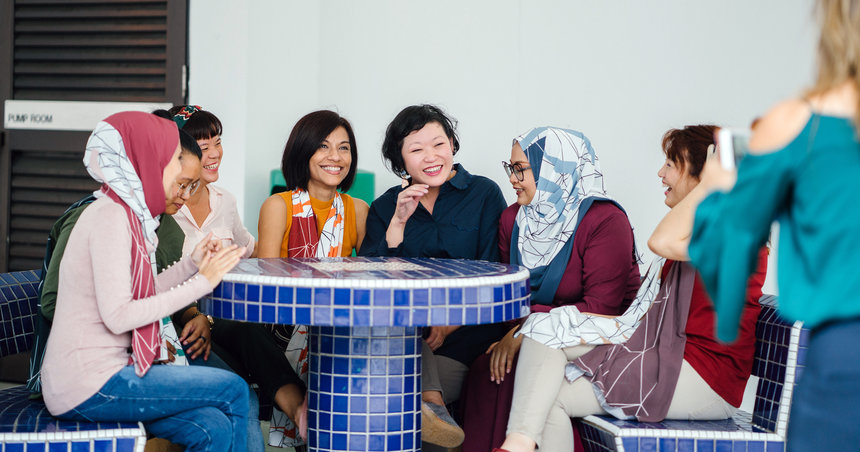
(812, 188)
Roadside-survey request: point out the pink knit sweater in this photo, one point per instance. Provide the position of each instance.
(95, 313)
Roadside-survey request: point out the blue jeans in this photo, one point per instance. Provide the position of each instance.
(826, 402)
(200, 408)
(255, 434)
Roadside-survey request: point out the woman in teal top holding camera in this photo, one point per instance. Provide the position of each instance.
(804, 172)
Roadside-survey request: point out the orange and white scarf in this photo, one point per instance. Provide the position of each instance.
(305, 240)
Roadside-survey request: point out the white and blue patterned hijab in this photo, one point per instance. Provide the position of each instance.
(569, 180)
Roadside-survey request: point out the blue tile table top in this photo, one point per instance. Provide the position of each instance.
(371, 292)
(374, 272)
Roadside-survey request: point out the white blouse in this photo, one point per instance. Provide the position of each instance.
(223, 220)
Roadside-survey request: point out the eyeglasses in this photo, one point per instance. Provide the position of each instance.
(189, 189)
(516, 168)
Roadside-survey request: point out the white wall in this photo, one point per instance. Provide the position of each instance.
(623, 72)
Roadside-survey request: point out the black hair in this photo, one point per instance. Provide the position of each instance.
(186, 142)
(305, 139)
(410, 119)
(189, 144)
(202, 124)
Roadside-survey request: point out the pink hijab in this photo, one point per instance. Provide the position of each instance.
(127, 152)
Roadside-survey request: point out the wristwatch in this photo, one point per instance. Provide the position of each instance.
(209, 318)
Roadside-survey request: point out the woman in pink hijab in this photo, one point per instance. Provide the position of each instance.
(105, 338)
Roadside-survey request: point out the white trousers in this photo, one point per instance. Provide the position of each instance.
(544, 401)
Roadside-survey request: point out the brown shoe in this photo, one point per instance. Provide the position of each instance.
(438, 427)
(161, 445)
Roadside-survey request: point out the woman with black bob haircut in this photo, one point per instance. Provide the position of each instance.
(443, 211)
(312, 218)
(305, 140)
(320, 158)
(407, 121)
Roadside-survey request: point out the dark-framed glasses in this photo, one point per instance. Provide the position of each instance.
(189, 188)
(516, 168)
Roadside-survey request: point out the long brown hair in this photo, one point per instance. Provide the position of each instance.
(839, 48)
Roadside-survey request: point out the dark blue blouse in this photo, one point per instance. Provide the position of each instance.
(464, 223)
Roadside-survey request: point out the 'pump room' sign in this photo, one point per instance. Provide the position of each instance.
(66, 115)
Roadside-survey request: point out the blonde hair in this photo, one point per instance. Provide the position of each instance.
(839, 47)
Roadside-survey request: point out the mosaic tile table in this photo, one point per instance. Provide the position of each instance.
(366, 316)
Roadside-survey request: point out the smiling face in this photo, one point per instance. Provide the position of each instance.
(211, 161)
(188, 178)
(329, 165)
(678, 182)
(527, 187)
(428, 155)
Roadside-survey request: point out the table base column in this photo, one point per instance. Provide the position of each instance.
(364, 389)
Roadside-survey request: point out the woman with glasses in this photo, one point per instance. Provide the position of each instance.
(440, 210)
(100, 361)
(667, 365)
(578, 245)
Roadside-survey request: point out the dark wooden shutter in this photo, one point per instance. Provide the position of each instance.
(47, 176)
(91, 50)
(95, 50)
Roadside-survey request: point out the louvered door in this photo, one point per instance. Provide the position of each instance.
(124, 51)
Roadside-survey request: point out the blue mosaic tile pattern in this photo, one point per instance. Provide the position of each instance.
(371, 292)
(18, 308)
(364, 380)
(364, 389)
(780, 357)
(596, 439)
(26, 425)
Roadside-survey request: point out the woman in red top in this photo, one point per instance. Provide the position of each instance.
(709, 377)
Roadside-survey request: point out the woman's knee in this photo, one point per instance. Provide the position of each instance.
(228, 388)
(558, 431)
(201, 429)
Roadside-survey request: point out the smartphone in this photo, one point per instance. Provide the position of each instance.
(734, 145)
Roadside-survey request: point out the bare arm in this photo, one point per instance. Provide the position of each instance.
(776, 129)
(272, 226)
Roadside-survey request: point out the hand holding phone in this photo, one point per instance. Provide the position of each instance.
(733, 145)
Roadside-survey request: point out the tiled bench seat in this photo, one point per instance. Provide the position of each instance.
(26, 425)
(780, 356)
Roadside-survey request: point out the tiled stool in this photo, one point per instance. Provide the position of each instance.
(779, 360)
(26, 425)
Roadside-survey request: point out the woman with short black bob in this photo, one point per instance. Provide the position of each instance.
(319, 160)
(441, 211)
